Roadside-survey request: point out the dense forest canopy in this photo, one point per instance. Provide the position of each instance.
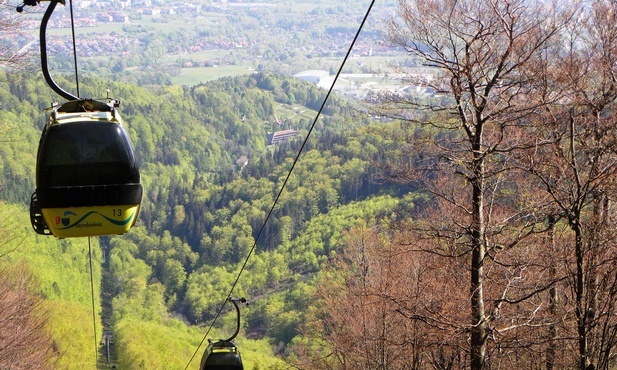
(202, 212)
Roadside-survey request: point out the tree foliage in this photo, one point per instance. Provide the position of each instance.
(25, 341)
(44, 282)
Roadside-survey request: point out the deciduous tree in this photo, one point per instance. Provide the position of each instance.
(577, 169)
(16, 52)
(25, 342)
(488, 58)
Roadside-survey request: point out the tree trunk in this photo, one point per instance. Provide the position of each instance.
(479, 323)
(552, 300)
(579, 287)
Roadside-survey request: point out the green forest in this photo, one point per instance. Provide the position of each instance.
(165, 279)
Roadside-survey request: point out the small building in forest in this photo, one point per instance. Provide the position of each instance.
(240, 163)
(280, 136)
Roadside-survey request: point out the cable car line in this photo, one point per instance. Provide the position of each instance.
(96, 344)
(74, 47)
(282, 188)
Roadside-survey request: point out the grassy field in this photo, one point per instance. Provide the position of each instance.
(193, 76)
(200, 56)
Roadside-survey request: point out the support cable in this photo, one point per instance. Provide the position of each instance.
(96, 343)
(284, 183)
(74, 48)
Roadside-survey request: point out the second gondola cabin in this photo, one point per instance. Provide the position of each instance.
(87, 177)
(221, 355)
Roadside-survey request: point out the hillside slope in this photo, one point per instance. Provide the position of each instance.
(202, 211)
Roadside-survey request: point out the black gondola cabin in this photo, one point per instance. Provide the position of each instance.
(221, 355)
(87, 177)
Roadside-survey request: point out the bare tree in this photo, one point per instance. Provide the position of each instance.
(359, 323)
(578, 170)
(488, 59)
(24, 340)
(17, 46)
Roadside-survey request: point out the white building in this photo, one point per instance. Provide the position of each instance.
(319, 77)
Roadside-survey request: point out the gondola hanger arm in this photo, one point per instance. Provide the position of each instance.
(20, 8)
(43, 41)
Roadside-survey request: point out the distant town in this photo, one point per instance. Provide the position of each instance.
(93, 13)
(171, 37)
